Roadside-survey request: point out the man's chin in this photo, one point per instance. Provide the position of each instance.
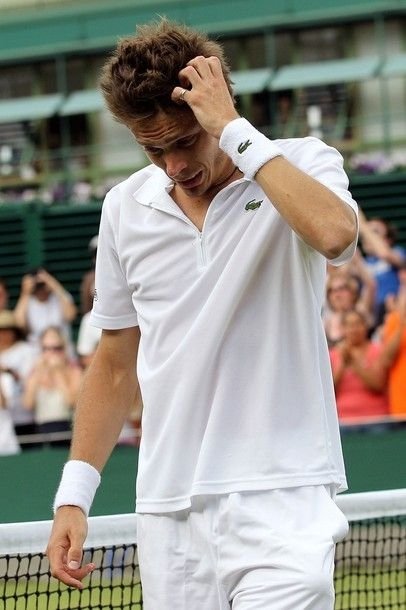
(193, 184)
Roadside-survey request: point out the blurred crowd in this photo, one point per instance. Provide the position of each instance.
(74, 192)
(41, 365)
(365, 322)
(364, 315)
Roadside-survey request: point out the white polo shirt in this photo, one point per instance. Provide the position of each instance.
(233, 362)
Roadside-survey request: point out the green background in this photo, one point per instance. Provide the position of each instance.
(28, 481)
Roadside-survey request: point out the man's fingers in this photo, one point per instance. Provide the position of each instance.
(65, 566)
(80, 573)
(207, 66)
(190, 75)
(215, 66)
(74, 556)
(65, 547)
(201, 65)
(199, 69)
(180, 95)
(73, 578)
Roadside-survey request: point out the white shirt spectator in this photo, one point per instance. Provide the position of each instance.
(42, 314)
(20, 358)
(8, 440)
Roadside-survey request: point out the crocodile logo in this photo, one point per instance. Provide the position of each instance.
(253, 205)
(242, 147)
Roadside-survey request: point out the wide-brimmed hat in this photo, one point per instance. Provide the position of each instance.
(7, 320)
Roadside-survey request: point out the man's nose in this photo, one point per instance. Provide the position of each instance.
(175, 163)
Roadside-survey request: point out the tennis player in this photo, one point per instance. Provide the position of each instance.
(209, 283)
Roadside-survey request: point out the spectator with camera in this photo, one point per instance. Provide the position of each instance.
(44, 302)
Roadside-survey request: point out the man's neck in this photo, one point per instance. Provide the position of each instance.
(195, 208)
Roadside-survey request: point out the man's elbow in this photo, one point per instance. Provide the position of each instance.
(337, 242)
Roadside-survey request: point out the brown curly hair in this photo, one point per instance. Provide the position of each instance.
(138, 79)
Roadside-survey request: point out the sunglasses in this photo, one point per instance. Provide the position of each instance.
(53, 348)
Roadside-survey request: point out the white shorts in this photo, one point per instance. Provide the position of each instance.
(262, 550)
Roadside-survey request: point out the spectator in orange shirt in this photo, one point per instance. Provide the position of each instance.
(394, 339)
(359, 372)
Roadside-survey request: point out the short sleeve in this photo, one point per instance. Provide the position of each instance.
(113, 307)
(326, 165)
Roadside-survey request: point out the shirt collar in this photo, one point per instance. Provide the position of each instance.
(154, 192)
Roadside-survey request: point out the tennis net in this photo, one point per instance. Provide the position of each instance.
(370, 563)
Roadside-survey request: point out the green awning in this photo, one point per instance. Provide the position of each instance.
(29, 108)
(325, 73)
(395, 65)
(82, 102)
(251, 81)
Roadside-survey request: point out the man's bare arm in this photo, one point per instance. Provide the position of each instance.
(314, 212)
(109, 390)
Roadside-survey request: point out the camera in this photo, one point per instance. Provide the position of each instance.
(38, 283)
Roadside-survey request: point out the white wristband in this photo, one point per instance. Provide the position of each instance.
(248, 148)
(78, 486)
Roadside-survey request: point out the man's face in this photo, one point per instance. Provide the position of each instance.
(176, 143)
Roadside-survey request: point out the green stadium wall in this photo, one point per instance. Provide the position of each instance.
(374, 461)
(54, 237)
